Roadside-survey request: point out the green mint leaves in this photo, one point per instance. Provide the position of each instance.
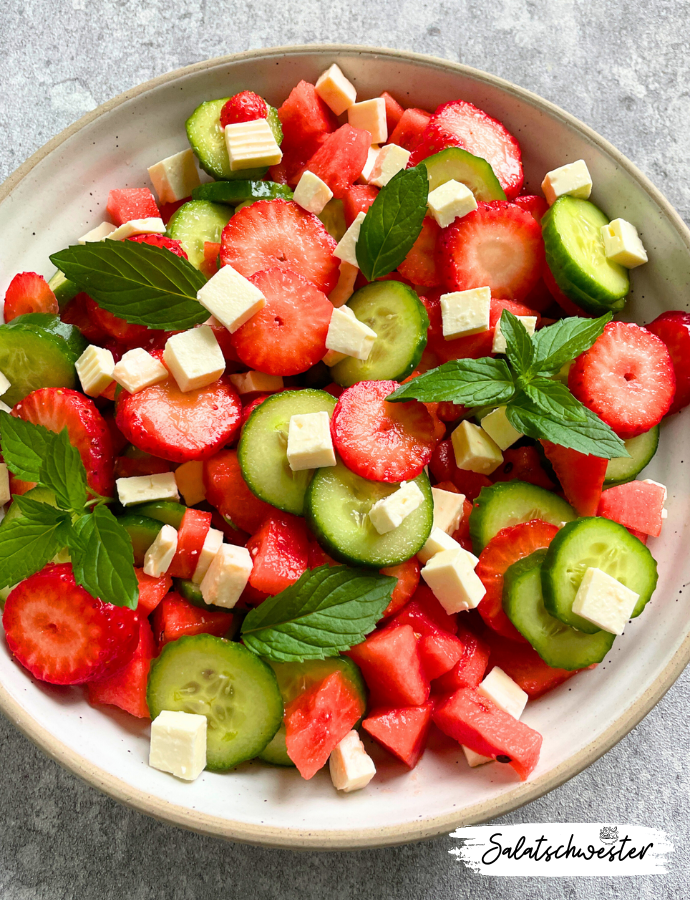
(472, 382)
(326, 611)
(140, 283)
(101, 550)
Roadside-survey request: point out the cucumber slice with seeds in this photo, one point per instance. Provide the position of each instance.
(196, 222)
(641, 449)
(460, 165)
(32, 357)
(234, 192)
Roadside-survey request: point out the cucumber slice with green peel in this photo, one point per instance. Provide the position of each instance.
(192, 594)
(275, 751)
(64, 289)
(575, 254)
(509, 503)
(337, 506)
(596, 543)
(333, 219)
(262, 450)
(460, 165)
(641, 449)
(559, 645)
(44, 322)
(166, 511)
(222, 680)
(196, 222)
(400, 321)
(234, 192)
(32, 358)
(142, 532)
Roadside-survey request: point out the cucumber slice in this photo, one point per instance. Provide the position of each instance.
(594, 543)
(333, 218)
(64, 289)
(336, 510)
(32, 358)
(262, 451)
(399, 319)
(641, 449)
(196, 222)
(234, 192)
(558, 644)
(44, 322)
(460, 165)
(575, 254)
(166, 511)
(142, 532)
(509, 503)
(275, 751)
(192, 594)
(235, 690)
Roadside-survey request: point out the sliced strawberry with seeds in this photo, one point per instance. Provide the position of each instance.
(160, 240)
(114, 326)
(29, 293)
(674, 330)
(419, 266)
(532, 204)
(243, 107)
(565, 303)
(340, 159)
(407, 574)
(77, 313)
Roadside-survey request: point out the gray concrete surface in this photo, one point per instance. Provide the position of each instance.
(623, 68)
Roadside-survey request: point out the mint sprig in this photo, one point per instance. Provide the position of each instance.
(470, 382)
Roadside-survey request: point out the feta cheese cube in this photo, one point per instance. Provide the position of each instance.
(346, 334)
(499, 429)
(390, 512)
(346, 249)
(474, 449)
(137, 370)
(504, 692)
(159, 556)
(231, 298)
(475, 759)
(251, 145)
(465, 312)
(345, 287)
(335, 90)
(212, 544)
(137, 226)
(256, 382)
(370, 115)
(332, 358)
(390, 160)
(227, 576)
(175, 177)
(190, 482)
(312, 193)
(145, 488)
(447, 509)
(372, 154)
(99, 233)
(350, 765)
(622, 244)
(5, 383)
(437, 542)
(5, 495)
(604, 601)
(95, 370)
(5, 408)
(178, 744)
(194, 358)
(499, 345)
(573, 179)
(310, 445)
(450, 201)
(453, 581)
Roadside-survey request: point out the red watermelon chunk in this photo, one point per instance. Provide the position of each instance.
(409, 130)
(175, 617)
(581, 476)
(305, 120)
(280, 551)
(392, 667)
(638, 505)
(524, 665)
(126, 204)
(394, 111)
(439, 654)
(126, 687)
(340, 158)
(403, 732)
(151, 591)
(358, 198)
(469, 670)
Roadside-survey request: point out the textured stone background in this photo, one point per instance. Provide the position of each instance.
(620, 66)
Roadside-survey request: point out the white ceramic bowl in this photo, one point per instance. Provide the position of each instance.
(61, 192)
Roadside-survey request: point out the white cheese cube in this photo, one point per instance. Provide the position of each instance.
(390, 512)
(474, 449)
(99, 233)
(499, 345)
(372, 154)
(227, 576)
(256, 382)
(335, 90)
(212, 544)
(310, 445)
(5, 408)
(390, 160)
(178, 744)
(622, 244)
(454, 583)
(146, 488)
(5, 495)
(475, 759)
(345, 287)
(231, 298)
(573, 179)
(137, 226)
(450, 201)
(5, 383)
(505, 693)
(347, 247)
(465, 312)
(332, 358)
(370, 115)
(251, 145)
(95, 370)
(190, 481)
(312, 193)
(160, 554)
(346, 334)
(499, 429)
(137, 370)
(350, 765)
(194, 358)
(175, 177)
(604, 601)
(447, 509)
(437, 542)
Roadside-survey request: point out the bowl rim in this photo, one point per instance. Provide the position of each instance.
(336, 839)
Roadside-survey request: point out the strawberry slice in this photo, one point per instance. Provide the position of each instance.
(58, 408)
(419, 266)
(626, 377)
(444, 468)
(29, 293)
(581, 476)
(62, 634)
(114, 326)
(287, 336)
(77, 313)
(358, 198)
(227, 490)
(243, 107)
(160, 240)
(565, 303)
(674, 330)
(126, 687)
(524, 665)
(524, 464)
(532, 204)
(280, 233)
(340, 159)
(378, 440)
(497, 245)
(407, 574)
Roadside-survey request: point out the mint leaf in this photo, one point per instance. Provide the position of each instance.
(26, 546)
(393, 223)
(103, 560)
(63, 472)
(24, 446)
(39, 513)
(471, 382)
(138, 282)
(519, 347)
(326, 611)
(559, 343)
(554, 399)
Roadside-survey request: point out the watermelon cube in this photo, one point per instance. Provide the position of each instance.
(403, 732)
(425, 600)
(306, 120)
(340, 158)
(638, 505)
(126, 204)
(469, 670)
(280, 550)
(151, 591)
(394, 111)
(524, 665)
(175, 617)
(358, 198)
(408, 132)
(392, 667)
(581, 476)
(126, 687)
(439, 653)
